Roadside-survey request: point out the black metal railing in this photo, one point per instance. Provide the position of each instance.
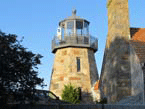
(75, 40)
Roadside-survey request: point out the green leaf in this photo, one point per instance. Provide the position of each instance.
(70, 94)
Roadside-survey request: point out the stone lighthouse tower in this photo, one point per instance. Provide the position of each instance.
(74, 61)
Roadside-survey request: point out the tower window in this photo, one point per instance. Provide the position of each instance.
(78, 64)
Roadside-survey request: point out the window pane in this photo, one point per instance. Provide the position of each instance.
(70, 25)
(78, 64)
(86, 28)
(79, 25)
(70, 28)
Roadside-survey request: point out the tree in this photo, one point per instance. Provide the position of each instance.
(17, 69)
(71, 94)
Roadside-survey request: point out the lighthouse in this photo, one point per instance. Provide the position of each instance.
(74, 62)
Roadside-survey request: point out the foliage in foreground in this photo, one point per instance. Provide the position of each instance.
(18, 75)
(71, 94)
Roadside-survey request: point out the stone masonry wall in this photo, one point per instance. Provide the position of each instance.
(121, 72)
(65, 71)
(118, 20)
(137, 81)
(137, 77)
(116, 74)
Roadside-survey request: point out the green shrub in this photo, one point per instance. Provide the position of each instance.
(71, 94)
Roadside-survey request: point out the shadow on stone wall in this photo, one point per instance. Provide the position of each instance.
(117, 71)
(86, 98)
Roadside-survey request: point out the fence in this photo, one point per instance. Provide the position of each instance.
(66, 106)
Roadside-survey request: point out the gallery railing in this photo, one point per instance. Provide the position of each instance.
(75, 40)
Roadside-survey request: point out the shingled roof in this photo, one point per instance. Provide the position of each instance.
(138, 42)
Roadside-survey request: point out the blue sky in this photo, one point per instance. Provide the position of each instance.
(37, 21)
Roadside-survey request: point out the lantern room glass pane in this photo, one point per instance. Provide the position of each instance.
(86, 29)
(62, 35)
(70, 28)
(79, 24)
(79, 27)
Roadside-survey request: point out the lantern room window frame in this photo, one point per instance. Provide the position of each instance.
(73, 29)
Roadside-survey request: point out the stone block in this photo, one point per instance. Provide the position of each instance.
(61, 78)
(74, 78)
(63, 52)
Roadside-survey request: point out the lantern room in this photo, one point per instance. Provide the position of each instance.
(73, 31)
(73, 26)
